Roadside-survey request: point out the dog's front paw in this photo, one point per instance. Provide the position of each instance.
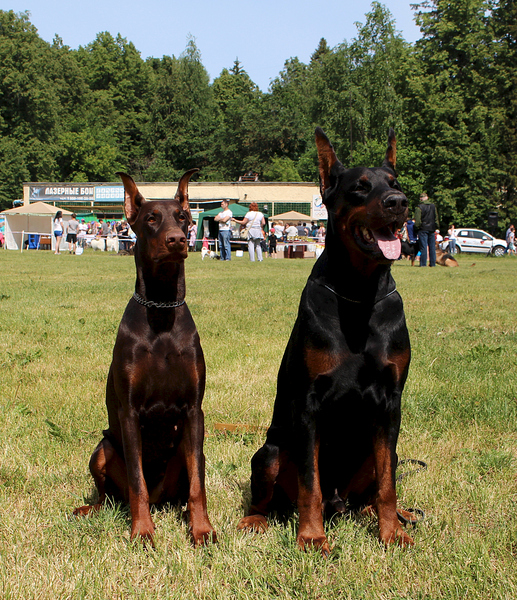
(396, 535)
(308, 542)
(204, 536)
(253, 523)
(144, 530)
(369, 511)
(84, 511)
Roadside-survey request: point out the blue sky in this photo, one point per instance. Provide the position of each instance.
(261, 34)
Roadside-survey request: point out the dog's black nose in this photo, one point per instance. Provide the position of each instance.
(395, 203)
(176, 239)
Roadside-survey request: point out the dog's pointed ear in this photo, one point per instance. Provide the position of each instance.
(390, 159)
(326, 157)
(133, 199)
(182, 192)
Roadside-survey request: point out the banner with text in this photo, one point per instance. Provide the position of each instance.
(62, 192)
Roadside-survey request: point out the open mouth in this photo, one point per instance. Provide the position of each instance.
(383, 238)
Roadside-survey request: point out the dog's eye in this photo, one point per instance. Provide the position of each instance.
(362, 186)
(151, 219)
(182, 217)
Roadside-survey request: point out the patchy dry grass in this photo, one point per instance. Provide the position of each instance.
(58, 321)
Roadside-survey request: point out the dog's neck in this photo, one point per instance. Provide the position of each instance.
(161, 283)
(362, 285)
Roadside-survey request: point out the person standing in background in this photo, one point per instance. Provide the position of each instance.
(452, 239)
(254, 221)
(72, 229)
(59, 230)
(426, 223)
(511, 241)
(192, 233)
(224, 218)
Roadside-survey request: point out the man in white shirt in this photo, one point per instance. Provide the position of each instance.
(224, 218)
(292, 232)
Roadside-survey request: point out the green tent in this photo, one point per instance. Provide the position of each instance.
(238, 211)
(88, 217)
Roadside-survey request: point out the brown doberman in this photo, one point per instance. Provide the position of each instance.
(152, 451)
(331, 445)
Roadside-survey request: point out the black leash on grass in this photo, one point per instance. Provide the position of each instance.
(419, 514)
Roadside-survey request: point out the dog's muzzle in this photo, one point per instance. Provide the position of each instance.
(395, 203)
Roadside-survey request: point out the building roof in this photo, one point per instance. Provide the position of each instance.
(36, 208)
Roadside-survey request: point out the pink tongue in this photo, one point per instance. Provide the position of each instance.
(390, 248)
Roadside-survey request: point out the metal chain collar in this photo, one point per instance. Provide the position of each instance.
(151, 304)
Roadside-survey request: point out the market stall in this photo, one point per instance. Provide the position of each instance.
(32, 223)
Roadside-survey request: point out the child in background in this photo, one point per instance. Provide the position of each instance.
(271, 238)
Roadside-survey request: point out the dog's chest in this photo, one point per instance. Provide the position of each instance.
(350, 353)
(160, 368)
(172, 364)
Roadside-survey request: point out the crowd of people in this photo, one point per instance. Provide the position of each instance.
(253, 231)
(421, 233)
(80, 233)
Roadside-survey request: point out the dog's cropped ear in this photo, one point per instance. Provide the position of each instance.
(327, 159)
(390, 159)
(182, 192)
(133, 199)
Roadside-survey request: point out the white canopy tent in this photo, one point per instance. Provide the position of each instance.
(291, 216)
(32, 219)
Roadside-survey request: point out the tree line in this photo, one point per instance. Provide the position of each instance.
(82, 115)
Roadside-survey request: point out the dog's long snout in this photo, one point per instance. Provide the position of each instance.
(395, 203)
(175, 237)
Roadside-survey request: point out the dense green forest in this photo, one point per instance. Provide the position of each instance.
(81, 115)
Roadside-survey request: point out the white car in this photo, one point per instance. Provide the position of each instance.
(476, 240)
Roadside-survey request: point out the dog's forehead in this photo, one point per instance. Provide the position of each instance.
(166, 206)
(370, 174)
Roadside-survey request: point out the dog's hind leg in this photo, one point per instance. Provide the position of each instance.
(265, 466)
(108, 470)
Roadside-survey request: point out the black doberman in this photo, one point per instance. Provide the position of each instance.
(152, 451)
(333, 436)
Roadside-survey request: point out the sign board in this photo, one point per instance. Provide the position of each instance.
(109, 193)
(319, 211)
(62, 192)
(71, 192)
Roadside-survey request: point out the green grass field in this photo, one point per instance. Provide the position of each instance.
(58, 320)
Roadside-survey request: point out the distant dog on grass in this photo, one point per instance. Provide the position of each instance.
(444, 258)
(112, 244)
(98, 243)
(206, 253)
(108, 244)
(409, 250)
